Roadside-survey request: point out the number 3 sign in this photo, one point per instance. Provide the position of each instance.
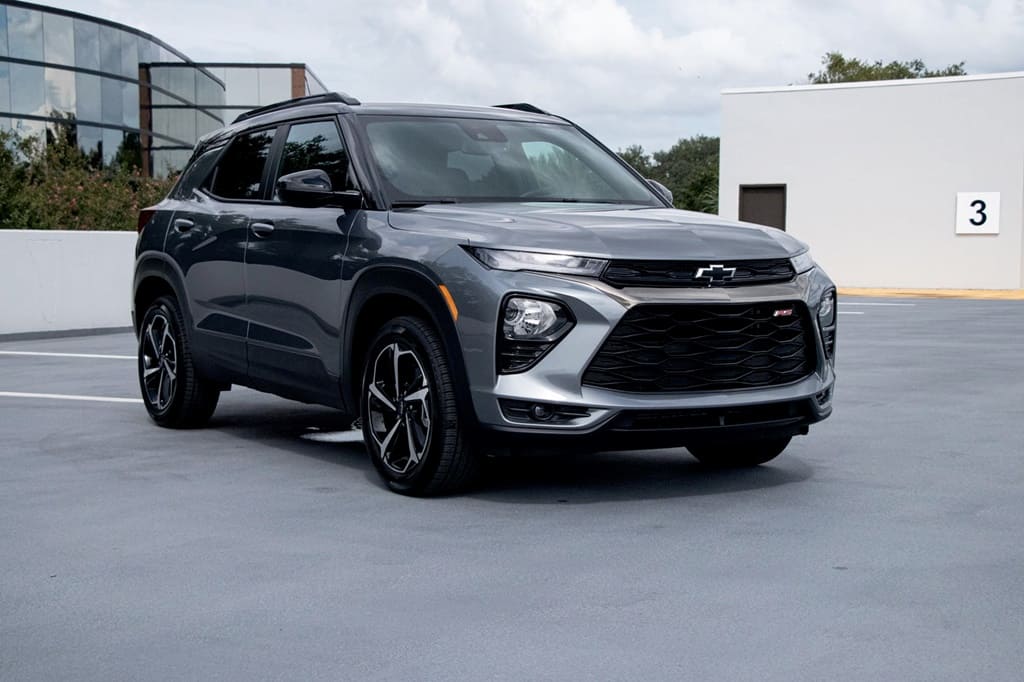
(977, 212)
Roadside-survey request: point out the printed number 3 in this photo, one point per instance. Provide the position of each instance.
(980, 219)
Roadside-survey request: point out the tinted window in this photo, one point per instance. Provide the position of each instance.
(240, 171)
(316, 145)
(195, 174)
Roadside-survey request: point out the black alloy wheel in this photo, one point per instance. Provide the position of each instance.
(415, 431)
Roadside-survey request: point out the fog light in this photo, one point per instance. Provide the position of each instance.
(541, 413)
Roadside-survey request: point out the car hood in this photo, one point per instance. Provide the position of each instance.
(600, 231)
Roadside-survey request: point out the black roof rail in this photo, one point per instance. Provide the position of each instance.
(524, 106)
(297, 102)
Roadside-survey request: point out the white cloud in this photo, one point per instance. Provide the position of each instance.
(632, 71)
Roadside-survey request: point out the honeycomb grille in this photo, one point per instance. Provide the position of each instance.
(678, 348)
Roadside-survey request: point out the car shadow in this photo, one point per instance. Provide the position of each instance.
(618, 476)
(554, 478)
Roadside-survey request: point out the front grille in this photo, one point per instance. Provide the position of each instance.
(669, 273)
(709, 347)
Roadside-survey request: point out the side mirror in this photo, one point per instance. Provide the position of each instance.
(313, 188)
(663, 191)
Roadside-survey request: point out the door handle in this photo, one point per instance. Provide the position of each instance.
(261, 229)
(183, 224)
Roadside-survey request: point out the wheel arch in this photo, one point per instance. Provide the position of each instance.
(155, 276)
(389, 291)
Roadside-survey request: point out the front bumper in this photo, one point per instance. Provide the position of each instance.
(556, 380)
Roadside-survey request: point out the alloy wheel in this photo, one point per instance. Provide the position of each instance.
(159, 362)
(399, 407)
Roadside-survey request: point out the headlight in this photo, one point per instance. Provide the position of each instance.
(827, 309)
(530, 327)
(803, 262)
(500, 259)
(533, 319)
(827, 322)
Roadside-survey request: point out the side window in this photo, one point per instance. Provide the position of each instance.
(316, 145)
(195, 173)
(240, 171)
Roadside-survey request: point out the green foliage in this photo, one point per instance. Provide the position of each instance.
(54, 185)
(840, 69)
(689, 169)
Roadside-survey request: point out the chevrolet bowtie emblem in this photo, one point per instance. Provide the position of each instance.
(715, 274)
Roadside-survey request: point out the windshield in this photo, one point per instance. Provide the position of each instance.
(432, 159)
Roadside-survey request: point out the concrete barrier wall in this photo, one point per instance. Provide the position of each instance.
(55, 280)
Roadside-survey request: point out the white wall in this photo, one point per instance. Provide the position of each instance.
(872, 171)
(53, 280)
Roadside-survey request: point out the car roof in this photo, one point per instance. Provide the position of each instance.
(457, 110)
(317, 105)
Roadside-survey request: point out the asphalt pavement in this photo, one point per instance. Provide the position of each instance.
(886, 545)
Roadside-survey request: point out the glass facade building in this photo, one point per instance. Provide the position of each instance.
(130, 97)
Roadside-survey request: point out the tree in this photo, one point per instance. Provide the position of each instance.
(840, 69)
(49, 183)
(689, 169)
(636, 157)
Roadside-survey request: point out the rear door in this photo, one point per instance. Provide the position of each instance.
(208, 238)
(293, 268)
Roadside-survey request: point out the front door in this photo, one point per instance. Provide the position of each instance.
(293, 274)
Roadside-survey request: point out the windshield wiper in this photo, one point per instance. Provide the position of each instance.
(421, 202)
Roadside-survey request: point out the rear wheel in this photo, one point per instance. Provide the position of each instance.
(174, 393)
(418, 440)
(738, 454)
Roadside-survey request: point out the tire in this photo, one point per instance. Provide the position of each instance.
(739, 454)
(174, 393)
(417, 436)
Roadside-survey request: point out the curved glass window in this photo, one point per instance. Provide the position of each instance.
(60, 91)
(87, 45)
(3, 31)
(28, 90)
(25, 33)
(136, 100)
(5, 86)
(58, 39)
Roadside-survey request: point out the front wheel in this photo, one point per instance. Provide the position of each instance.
(416, 435)
(739, 454)
(173, 391)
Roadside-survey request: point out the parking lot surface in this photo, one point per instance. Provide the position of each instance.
(887, 544)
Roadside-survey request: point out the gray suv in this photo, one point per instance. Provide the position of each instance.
(468, 281)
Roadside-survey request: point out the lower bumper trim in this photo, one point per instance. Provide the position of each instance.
(647, 429)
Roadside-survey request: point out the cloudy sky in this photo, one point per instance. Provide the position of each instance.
(631, 71)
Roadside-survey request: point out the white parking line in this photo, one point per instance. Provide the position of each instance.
(91, 356)
(899, 305)
(851, 312)
(61, 396)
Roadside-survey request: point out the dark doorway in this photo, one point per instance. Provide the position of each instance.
(764, 205)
